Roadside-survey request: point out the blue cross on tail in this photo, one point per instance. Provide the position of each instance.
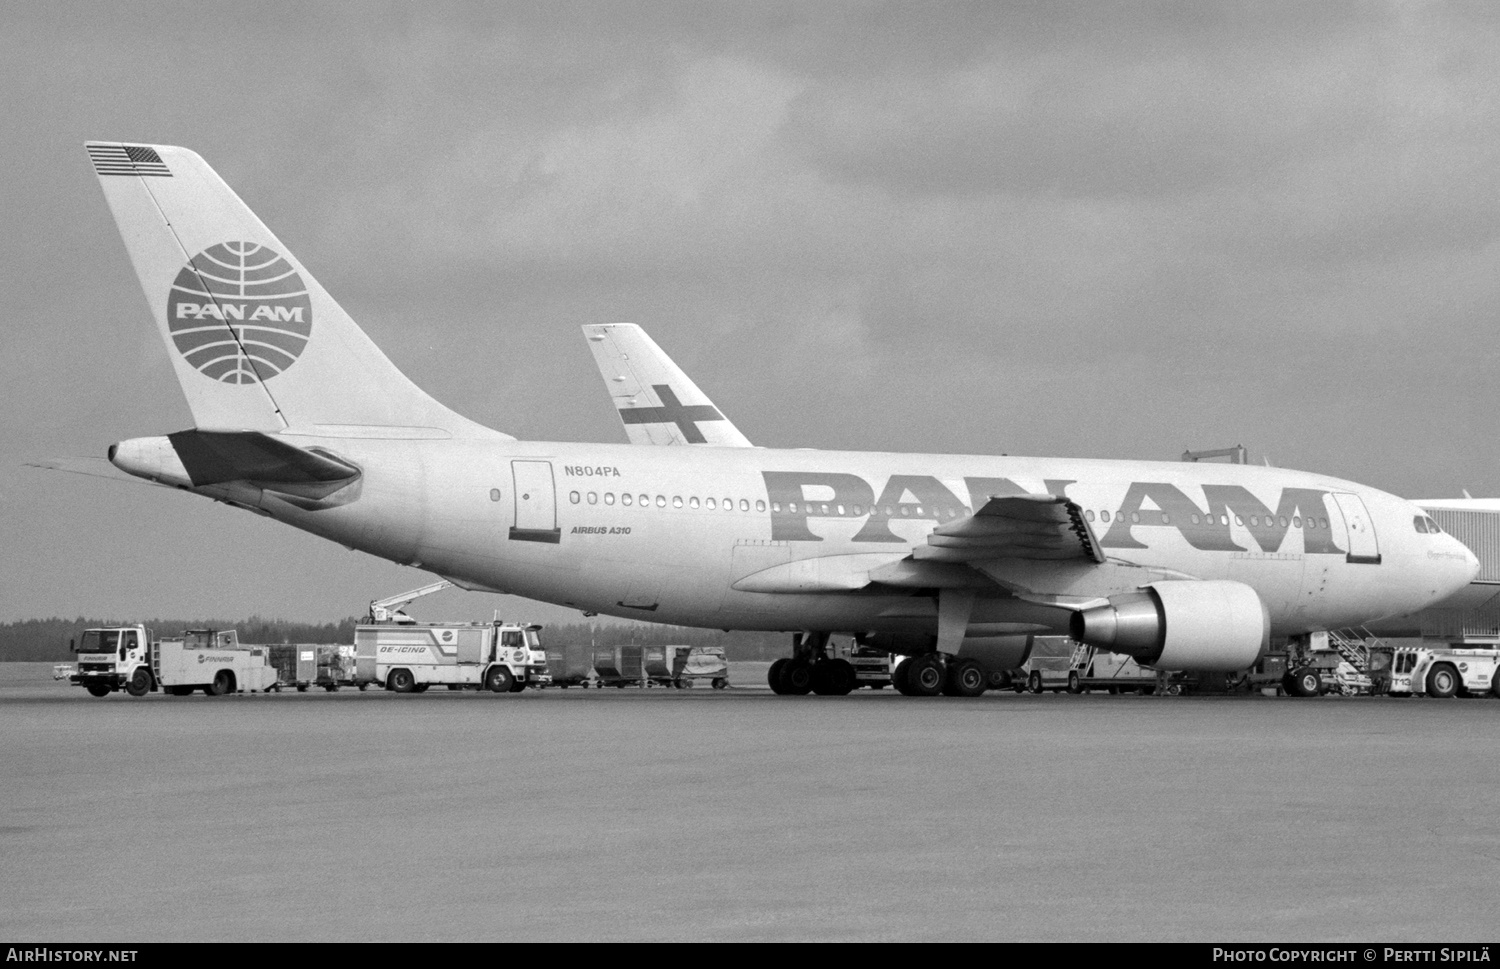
(672, 411)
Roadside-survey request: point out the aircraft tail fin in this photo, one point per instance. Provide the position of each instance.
(657, 402)
(256, 342)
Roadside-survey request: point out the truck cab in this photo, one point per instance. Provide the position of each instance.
(111, 659)
(1442, 673)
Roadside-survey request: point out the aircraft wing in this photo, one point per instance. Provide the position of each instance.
(1046, 527)
(657, 402)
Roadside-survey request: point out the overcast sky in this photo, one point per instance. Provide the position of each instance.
(1106, 230)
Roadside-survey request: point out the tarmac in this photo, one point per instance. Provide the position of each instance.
(739, 815)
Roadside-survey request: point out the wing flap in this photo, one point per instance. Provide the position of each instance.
(1037, 527)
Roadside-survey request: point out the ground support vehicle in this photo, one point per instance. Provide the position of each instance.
(303, 665)
(692, 663)
(632, 665)
(1444, 672)
(1051, 664)
(209, 660)
(872, 667)
(1097, 669)
(410, 657)
(1348, 661)
(572, 665)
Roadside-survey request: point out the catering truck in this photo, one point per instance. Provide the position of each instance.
(410, 657)
(127, 658)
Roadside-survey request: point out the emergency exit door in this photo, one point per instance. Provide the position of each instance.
(1363, 546)
(536, 503)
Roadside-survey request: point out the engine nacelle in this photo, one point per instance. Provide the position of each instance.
(1211, 627)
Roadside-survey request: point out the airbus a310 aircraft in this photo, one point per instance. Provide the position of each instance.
(951, 558)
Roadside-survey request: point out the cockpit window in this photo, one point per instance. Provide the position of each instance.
(1421, 524)
(1432, 527)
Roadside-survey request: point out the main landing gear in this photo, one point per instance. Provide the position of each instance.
(811, 670)
(938, 674)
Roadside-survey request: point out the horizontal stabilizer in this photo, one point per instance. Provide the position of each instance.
(197, 459)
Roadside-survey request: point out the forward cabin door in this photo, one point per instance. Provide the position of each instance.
(536, 503)
(1363, 545)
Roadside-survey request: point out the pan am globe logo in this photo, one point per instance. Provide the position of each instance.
(239, 313)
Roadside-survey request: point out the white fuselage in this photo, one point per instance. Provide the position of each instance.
(549, 521)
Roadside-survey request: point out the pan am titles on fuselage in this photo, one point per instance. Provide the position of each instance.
(954, 558)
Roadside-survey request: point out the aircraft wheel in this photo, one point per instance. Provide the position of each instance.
(797, 677)
(720, 683)
(999, 679)
(331, 687)
(901, 677)
(1443, 681)
(683, 684)
(98, 689)
(140, 682)
(839, 677)
(966, 678)
(773, 676)
(927, 675)
(516, 684)
(1075, 685)
(401, 681)
(223, 683)
(1034, 682)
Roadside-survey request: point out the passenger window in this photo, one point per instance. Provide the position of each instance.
(625, 499)
(661, 501)
(710, 503)
(1135, 518)
(1088, 515)
(824, 508)
(906, 510)
(645, 500)
(693, 502)
(1164, 519)
(791, 506)
(1238, 520)
(840, 510)
(760, 505)
(1104, 516)
(494, 494)
(609, 497)
(744, 504)
(1254, 521)
(676, 501)
(776, 506)
(1281, 522)
(575, 497)
(593, 497)
(729, 504)
(858, 510)
(888, 511)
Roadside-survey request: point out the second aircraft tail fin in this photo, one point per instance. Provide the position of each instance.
(657, 402)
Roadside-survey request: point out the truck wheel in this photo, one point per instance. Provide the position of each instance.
(331, 687)
(1495, 684)
(683, 684)
(1442, 681)
(1034, 682)
(98, 689)
(720, 683)
(140, 682)
(1305, 682)
(498, 679)
(1075, 685)
(420, 688)
(223, 683)
(517, 685)
(179, 691)
(401, 681)
(301, 687)
(364, 685)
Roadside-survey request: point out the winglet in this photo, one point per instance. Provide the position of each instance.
(657, 402)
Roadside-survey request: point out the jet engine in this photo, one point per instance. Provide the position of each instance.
(1214, 626)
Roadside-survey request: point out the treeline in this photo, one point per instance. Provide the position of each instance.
(47, 639)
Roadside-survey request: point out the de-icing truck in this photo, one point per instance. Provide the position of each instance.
(409, 657)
